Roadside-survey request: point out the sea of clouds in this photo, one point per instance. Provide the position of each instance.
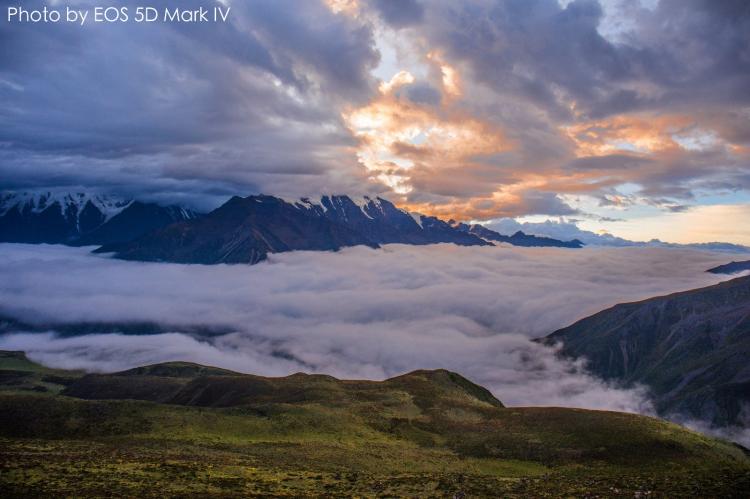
(357, 313)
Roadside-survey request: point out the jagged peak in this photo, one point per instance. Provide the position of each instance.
(370, 206)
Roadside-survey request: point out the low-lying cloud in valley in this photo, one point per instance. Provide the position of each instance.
(358, 313)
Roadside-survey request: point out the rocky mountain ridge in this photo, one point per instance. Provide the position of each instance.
(246, 230)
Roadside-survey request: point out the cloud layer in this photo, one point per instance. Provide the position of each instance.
(589, 97)
(191, 110)
(359, 313)
(471, 110)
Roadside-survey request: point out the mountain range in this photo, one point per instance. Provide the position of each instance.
(242, 230)
(246, 230)
(690, 349)
(80, 218)
(179, 429)
(519, 238)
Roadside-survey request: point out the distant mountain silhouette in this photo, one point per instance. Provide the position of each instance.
(519, 238)
(80, 218)
(731, 268)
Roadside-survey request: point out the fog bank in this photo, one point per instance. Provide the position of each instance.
(358, 313)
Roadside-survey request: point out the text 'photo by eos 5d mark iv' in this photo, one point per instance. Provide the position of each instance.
(113, 14)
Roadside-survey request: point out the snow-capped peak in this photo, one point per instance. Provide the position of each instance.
(334, 202)
(37, 202)
(417, 218)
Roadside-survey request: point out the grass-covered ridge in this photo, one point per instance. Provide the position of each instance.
(179, 429)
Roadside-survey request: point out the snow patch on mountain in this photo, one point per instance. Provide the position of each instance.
(417, 218)
(66, 202)
(371, 207)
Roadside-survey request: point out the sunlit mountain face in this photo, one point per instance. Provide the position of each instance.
(630, 117)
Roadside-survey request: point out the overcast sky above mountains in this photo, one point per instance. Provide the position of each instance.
(632, 116)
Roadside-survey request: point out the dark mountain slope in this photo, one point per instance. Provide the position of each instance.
(731, 268)
(134, 221)
(692, 349)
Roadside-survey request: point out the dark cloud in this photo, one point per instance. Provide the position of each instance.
(549, 54)
(169, 102)
(399, 13)
(423, 94)
(702, 51)
(545, 203)
(531, 48)
(678, 208)
(609, 162)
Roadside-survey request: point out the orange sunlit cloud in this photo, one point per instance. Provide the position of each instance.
(662, 146)
(449, 76)
(397, 136)
(403, 144)
(506, 201)
(639, 134)
(349, 7)
(399, 80)
(461, 155)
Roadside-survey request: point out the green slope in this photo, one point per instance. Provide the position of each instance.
(181, 429)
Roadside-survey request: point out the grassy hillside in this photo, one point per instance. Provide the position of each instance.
(181, 429)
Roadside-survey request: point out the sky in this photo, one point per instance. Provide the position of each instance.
(630, 116)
